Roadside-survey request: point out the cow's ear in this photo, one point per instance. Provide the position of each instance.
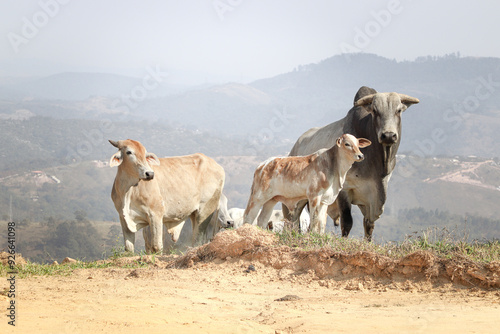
(116, 159)
(339, 141)
(152, 159)
(364, 142)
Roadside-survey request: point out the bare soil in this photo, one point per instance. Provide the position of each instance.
(242, 282)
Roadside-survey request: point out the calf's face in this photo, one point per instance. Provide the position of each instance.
(351, 145)
(134, 159)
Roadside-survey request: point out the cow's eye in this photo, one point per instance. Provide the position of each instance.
(347, 145)
(129, 152)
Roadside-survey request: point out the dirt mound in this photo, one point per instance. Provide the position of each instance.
(253, 244)
(229, 244)
(4, 259)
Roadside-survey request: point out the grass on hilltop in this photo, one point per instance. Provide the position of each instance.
(442, 242)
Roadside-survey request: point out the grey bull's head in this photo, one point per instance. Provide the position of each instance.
(386, 109)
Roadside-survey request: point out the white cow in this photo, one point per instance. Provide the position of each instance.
(148, 191)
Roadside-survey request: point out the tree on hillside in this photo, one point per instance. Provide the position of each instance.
(76, 238)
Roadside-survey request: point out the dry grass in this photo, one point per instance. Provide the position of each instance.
(440, 242)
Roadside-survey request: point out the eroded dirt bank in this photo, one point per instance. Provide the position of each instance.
(252, 244)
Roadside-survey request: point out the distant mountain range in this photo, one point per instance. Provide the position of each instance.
(459, 113)
(71, 86)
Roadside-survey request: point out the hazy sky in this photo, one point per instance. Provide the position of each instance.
(238, 39)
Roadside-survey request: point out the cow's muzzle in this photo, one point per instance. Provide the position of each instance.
(388, 138)
(149, 175)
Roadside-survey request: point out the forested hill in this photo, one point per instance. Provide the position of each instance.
(41, 142)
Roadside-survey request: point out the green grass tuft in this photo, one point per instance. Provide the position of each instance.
(31, 269)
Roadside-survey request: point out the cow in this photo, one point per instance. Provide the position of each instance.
(236, 215)
(149, 191)
(223, 220)
(377, 117)
(317, 178)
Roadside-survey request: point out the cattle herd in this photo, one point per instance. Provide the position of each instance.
(325, 171)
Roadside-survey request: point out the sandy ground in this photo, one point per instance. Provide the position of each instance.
(219, 294)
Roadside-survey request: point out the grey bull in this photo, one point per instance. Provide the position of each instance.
(377, 117)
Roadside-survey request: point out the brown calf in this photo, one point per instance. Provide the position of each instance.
(317, 177)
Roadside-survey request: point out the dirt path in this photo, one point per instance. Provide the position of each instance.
(224, 295)
(467, 175)
(223, 298)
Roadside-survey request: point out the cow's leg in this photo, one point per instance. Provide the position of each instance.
(202, 218)
(208, 216)
(214, 224)
(252, 210)
(316, 212)
(128, 236)
(201, 222)
(322, 217)
(345, 213)
(205, 226)
(293, 216)
(195, 224)
(174, 230)
(156, 234)
(147, 240)
(369, 226)
(265, 214)
(287, 214)
(299, 207)
(334, 213)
